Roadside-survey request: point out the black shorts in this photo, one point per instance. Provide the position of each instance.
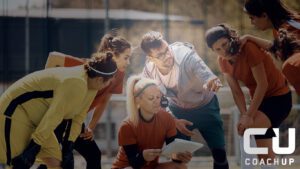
(276, 108)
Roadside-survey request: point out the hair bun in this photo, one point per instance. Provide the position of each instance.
(225, 27)
(110, 42)
(110, 38)
(109, 55)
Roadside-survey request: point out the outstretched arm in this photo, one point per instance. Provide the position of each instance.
(181, 125)
(99, 109)
(237, 93)
(246, 119)
(202, 72)
(98, 112)
(199, 69)
(259, 75)
(263, 43)
(239, 100)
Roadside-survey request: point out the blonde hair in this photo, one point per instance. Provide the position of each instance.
(135, 87)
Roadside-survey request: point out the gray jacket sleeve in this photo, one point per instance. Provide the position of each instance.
(198, 68)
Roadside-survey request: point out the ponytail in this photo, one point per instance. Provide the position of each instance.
(132, 109)
(136, 86)
(114, 43)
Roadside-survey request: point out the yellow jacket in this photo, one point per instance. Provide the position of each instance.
(47, 97)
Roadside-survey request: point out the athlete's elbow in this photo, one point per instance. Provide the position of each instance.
(263, 86)
(55, 59)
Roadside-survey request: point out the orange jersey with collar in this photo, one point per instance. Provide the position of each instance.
(291, 70)
(289, 28)
(147, 135)
(250, 56)
(116, 86)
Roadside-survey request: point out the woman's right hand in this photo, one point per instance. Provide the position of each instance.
(151, 154)
(245, 122)
(242, 40)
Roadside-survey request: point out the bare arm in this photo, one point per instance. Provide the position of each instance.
(99, 109)
(263, 43)
(247, 120)
(88, 133)
(237, 93)
(259, 75)
(55, 59)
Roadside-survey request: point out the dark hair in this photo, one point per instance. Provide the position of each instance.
(286, 43)
(223, 31)
(215, 33)
(277, 12)
(151, 40)
(114, 43)
(102, 65)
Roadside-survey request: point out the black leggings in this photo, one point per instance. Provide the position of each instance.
(276, 108)
(90, 152)
(87, 148)
(220, 159)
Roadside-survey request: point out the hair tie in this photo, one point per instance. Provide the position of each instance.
(103, 73)
(141, 90)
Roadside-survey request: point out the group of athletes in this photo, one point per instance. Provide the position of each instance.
(42, 114)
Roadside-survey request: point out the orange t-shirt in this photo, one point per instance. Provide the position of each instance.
(250, 56)
(289, 28)
(116, 86)
(291, 67)
(291, 70)
(147, 135)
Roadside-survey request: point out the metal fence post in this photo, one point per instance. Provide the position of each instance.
(108, 130)
(237, 153)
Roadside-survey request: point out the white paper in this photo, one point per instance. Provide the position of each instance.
(180, 146)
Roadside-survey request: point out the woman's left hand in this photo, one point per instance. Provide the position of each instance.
(245, 122)
(88, 134)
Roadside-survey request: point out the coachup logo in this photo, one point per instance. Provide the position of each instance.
(275, 141)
